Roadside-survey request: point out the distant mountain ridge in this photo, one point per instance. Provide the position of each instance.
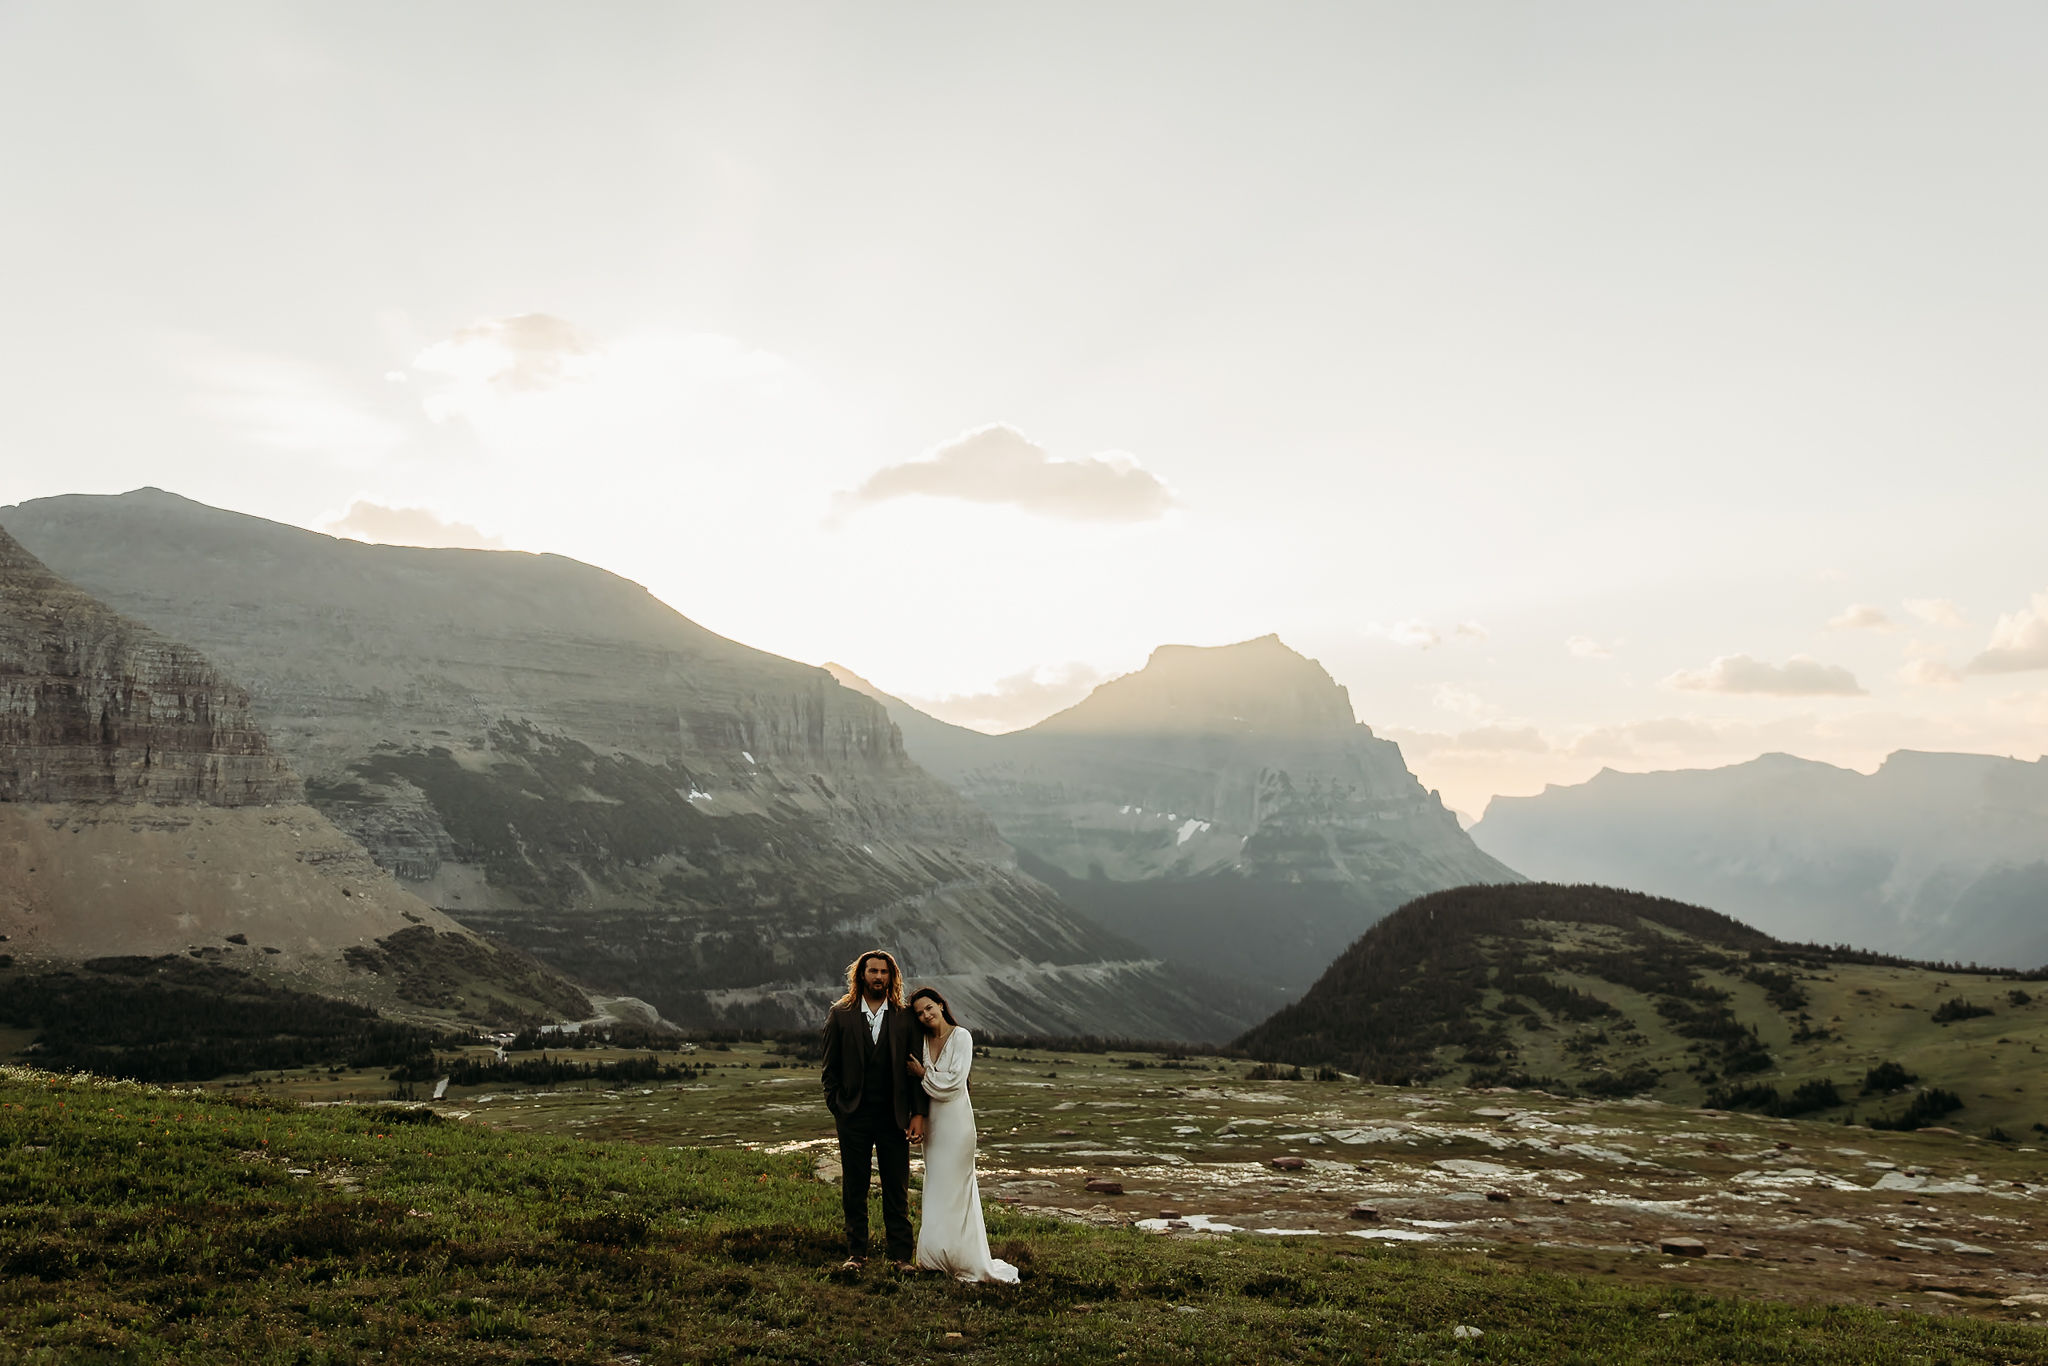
(1933, 856)
(549, 753)
(1222, 805)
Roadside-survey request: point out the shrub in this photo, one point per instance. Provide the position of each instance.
(1928, 1106)
(1621, 1083)
(1887, 1077)
(1956, 1008)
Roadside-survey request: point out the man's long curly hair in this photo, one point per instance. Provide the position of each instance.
(853, 972)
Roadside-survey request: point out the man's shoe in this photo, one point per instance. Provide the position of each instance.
(853, 1264)
(906, 1267)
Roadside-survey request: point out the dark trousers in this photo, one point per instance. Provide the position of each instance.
(869, 1131)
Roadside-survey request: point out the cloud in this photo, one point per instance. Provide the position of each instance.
(1022, 699)
(1420, 634)
(1861, 616)
(1585, 647)
(1936, 611)
(998, 464)
(1928, 672)
(1479, 740)
(366, 521)
(2019, 641)
(1800, 676)
(525, 353)
(536, 384)
(285, 404)
(1452, 698)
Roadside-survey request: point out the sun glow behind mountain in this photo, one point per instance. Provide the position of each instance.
(1561, 407)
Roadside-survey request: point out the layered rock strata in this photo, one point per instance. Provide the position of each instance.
(96, 708)
(143, 813)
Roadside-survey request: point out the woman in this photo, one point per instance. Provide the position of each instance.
(951, 1237)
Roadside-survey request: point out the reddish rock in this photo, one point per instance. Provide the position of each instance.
(1365, 1212)
(1499, 1197)
(1678, 1245)
(1287, 1164)
(1102, 1186)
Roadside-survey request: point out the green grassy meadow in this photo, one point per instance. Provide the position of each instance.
(141, 1225)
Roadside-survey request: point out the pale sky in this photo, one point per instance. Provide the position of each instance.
(1632, 384)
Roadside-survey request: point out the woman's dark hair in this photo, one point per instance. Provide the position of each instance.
(931, 993)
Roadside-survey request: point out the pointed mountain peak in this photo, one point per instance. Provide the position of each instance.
(1253, 685)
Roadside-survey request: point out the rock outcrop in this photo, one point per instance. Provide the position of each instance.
(96, 708)
(143, 813)
(1939, 856)
(549, 753)
(1222, 806)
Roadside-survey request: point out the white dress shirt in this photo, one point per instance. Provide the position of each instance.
(874, 1014)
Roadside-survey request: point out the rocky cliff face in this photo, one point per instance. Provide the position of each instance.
(96, 708)
(548, 752)
(1223, 806)
(142, 813)
(1939, 856)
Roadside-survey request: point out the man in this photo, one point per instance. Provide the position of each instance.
(878, 1108)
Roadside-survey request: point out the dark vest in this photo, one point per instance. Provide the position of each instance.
(877, 1091)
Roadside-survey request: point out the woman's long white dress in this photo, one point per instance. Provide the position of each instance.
(952, 1237)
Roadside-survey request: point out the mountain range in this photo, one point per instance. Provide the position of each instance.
(1937, 856)
(1221, 806)
(551, 755)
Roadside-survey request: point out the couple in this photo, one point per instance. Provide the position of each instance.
(896, 1074)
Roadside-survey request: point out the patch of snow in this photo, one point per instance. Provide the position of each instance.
(748, 757)
(1400, 1235)
(697, 796)
(1200, 1223)
(1189, 829)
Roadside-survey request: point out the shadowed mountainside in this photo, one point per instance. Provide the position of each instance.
(143, 814)
(1614, 993)
(549, 753)
(1933, 855)
(1221, 806)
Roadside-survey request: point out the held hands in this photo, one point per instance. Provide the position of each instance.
(915, 1133)
(916, 1068)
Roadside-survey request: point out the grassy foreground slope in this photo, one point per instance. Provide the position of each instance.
(139, 1224)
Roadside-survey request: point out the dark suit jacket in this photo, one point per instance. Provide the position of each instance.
(847, 1046)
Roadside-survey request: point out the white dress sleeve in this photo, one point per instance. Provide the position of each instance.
(946, 1075)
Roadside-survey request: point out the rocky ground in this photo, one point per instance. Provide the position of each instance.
(1722, 1203)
